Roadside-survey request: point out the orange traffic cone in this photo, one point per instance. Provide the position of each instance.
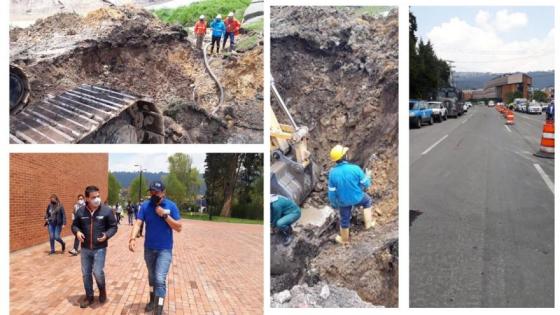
(509, 117)
(547, 141)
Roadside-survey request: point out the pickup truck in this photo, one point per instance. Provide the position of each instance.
(419, 113)
(439, 112)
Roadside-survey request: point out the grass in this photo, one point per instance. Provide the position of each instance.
(204, 217)
(372, 10)
(188, 15)
(257, 26)
(247, 43)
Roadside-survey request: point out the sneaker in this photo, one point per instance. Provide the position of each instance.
(73, 252)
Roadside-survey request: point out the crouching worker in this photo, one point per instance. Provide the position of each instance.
(162, 217)
(347, 183)
(284, 213)
(94, 224)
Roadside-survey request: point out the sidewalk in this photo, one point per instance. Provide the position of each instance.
(217, 269)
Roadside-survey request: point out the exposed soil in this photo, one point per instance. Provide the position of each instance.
(130, 49)
(337, 71)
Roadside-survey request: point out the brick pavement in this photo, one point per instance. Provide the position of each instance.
(217, 269)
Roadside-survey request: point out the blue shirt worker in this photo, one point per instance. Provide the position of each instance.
(347, 183)
(161, 216)
(550, 111)
(284, 213)
(94, 224)
(218, 30)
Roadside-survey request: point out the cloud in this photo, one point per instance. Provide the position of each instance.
(151, 162)
(481, 47)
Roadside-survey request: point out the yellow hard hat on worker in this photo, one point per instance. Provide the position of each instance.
(338, 152)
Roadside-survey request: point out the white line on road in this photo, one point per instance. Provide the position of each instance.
(507, 128)
(433, 145)
(545, 177)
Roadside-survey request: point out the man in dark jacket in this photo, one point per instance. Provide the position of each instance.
(93, 225)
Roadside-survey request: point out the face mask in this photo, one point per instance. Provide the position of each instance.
(96, 202)
(81, 202)
(155, 199)
(53, 202)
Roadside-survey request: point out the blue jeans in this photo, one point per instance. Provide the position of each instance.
(54, 235)
(346, 212)
(158, 262)
(231, 36)
(93, 261)
(287, 220)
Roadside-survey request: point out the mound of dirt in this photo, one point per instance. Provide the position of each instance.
(129, 49)
(322, 295)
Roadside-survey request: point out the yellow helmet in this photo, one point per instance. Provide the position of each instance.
(338, 152)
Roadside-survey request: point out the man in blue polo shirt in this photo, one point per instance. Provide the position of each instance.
(161, 216)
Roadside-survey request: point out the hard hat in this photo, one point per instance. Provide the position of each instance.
(201, 17)
(338, 152)
(230, 14)
(219, 16)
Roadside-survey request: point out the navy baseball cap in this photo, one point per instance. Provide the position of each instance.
(156, 186)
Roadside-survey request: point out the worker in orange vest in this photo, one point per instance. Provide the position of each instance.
(232, 30)
(200, 31)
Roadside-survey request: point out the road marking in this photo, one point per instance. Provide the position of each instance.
(433, 145)
(507, 128)
(547, 180)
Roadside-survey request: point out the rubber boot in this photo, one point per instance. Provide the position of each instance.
(87, 301)
(287, 236)
(159, 307)
(150, 306)
(369, 222)
(102, 296)
(344, 237)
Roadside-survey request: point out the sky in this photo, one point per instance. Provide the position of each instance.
(157, 162)
(490, 39)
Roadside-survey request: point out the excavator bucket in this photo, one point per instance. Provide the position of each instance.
(19, 89)
(86, 114)
(290, 178)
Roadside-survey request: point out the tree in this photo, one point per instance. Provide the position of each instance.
(513, 95)
(540, 96)
(175, 190)
(114, 189)
(135, 188)
(180, 165)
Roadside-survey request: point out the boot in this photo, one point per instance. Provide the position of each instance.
(102, 296)
(287, 236)
(159, 307)
(87, 301)
(369, 222)
(150, 305)
(344, 237)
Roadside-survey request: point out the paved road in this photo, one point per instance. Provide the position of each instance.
(217, 269)
(484, 236)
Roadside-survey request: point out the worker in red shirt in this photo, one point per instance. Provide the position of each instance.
(200, 31)
(232, 30)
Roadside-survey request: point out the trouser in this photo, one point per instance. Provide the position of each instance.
(199, 40)
(287, 220)
(54, 235)
(93, 261)
(158, 262)
(76, 244)
(130, 219)
(346, 212)
(231, 36)
(215, 40)
(118, 218)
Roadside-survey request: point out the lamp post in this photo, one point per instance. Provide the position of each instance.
(139, 186)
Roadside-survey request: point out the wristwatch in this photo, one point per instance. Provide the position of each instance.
(165, 216)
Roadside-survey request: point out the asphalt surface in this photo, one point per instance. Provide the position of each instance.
(482, 213)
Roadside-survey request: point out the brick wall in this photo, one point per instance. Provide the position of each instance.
(34, 177)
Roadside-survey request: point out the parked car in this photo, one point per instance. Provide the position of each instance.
(520, 104)
(465, 108)
(454, 109)
(419, 113)
(534, 108)
(491, 104)
(469, 104)
(439, 112)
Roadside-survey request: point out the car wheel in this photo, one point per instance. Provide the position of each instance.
(431, 122)
(445, 117)
(419, 123)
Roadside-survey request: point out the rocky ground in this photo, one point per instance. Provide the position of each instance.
(337, 70)
(128, 48)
